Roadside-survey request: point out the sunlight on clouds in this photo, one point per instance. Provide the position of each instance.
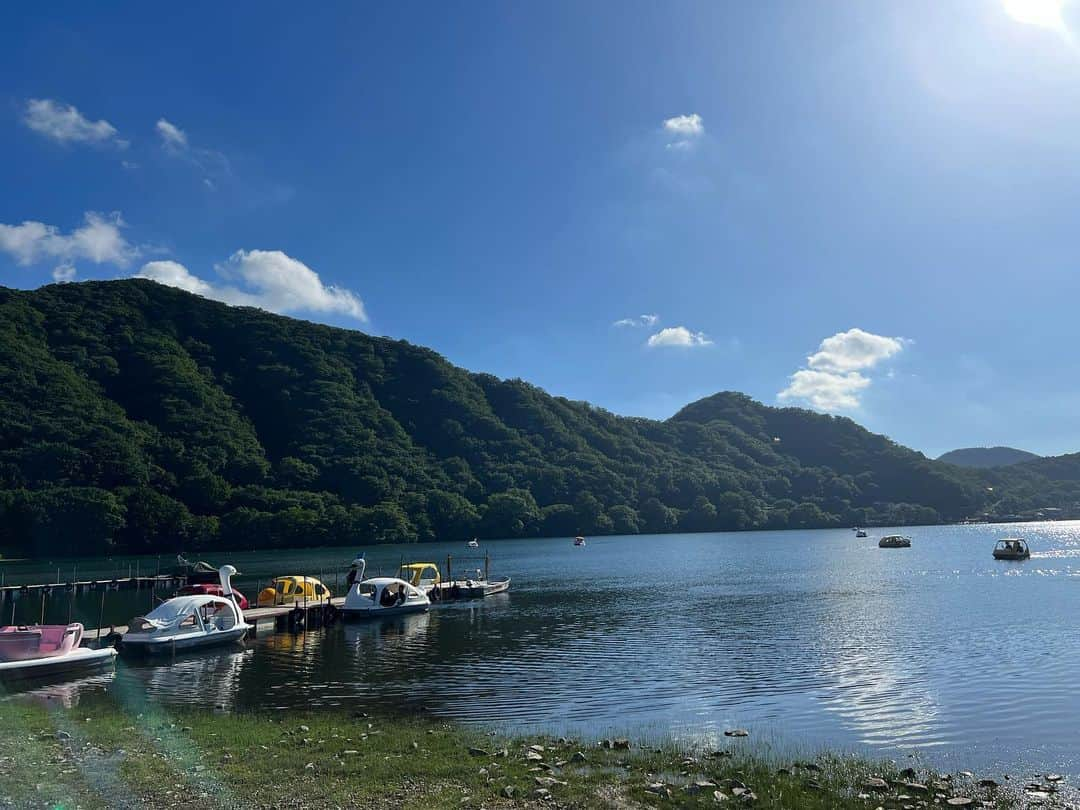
(678, 336)
(686, 129)
(65, 124)
(99, 240)
(267, 279)
(833, 379)
(686, 125)
(853, 350)
(172, 137)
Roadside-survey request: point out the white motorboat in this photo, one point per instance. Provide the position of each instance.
(579, 541)
(45, 650)
(383, 596)
(189, 622)
(474, 543)
(860, 533)
(894, 541)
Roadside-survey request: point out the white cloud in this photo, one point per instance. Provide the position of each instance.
(826, 390)
(853, 350)
(640, 320)
(834, 379)
(171, 135)
(174, 274)
(678, 336)
(686, 129)
(65, 124)
(268, 279)
(98, 241)
(685, 125)
(64, 273)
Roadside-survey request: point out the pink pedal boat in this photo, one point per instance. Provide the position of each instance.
(43, 650)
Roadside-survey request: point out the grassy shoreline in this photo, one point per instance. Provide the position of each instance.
(102, 755)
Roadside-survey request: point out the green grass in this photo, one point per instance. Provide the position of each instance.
(99, 755)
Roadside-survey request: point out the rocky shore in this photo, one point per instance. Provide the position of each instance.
(108, 755)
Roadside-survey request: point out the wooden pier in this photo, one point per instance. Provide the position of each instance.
(155, 581)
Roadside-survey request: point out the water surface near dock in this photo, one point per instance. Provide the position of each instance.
(813, 638)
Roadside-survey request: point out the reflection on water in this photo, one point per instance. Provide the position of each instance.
(812, 637)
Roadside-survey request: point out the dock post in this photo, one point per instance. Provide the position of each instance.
(487, 565)
(101, 615)
(42, 621)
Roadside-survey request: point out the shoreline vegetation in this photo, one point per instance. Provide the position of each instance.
(141, 419)
(99, 754)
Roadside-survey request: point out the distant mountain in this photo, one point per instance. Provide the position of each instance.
(983, 457)
(136, 417)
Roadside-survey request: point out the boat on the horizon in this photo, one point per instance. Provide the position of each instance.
(1012, 548)
(474, 543)
(860, 533)
(894, 541)
(45, 650)
(579, 541)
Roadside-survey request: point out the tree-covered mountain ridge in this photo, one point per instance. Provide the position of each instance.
(987, 456)
(140, 418)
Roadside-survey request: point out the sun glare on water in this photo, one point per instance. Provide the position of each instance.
(1043, 13)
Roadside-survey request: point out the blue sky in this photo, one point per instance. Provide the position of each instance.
(867, 207)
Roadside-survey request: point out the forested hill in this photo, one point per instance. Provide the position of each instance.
(137, 417)
(987, 456)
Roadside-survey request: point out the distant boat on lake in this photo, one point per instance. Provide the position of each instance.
(894, 541)
(579, 541)
(860, 533)
(1012, 548)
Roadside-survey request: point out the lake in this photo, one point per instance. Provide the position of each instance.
(808, 639)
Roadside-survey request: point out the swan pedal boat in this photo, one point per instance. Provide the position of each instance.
(894, 541)
(293, 590)
(1012, 548)
(44, 650)
(189, 622)
(383, 596)
(186, 623)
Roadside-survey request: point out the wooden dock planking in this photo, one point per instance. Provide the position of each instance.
(84, 585)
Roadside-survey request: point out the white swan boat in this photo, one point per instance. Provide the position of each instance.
(382, 596)
(189, 622)
(45, 650)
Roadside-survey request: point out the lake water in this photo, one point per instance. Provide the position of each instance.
(805, 638)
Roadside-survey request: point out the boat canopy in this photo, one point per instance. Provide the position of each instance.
(1012, 542)
(418, 574)
(182, 609)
